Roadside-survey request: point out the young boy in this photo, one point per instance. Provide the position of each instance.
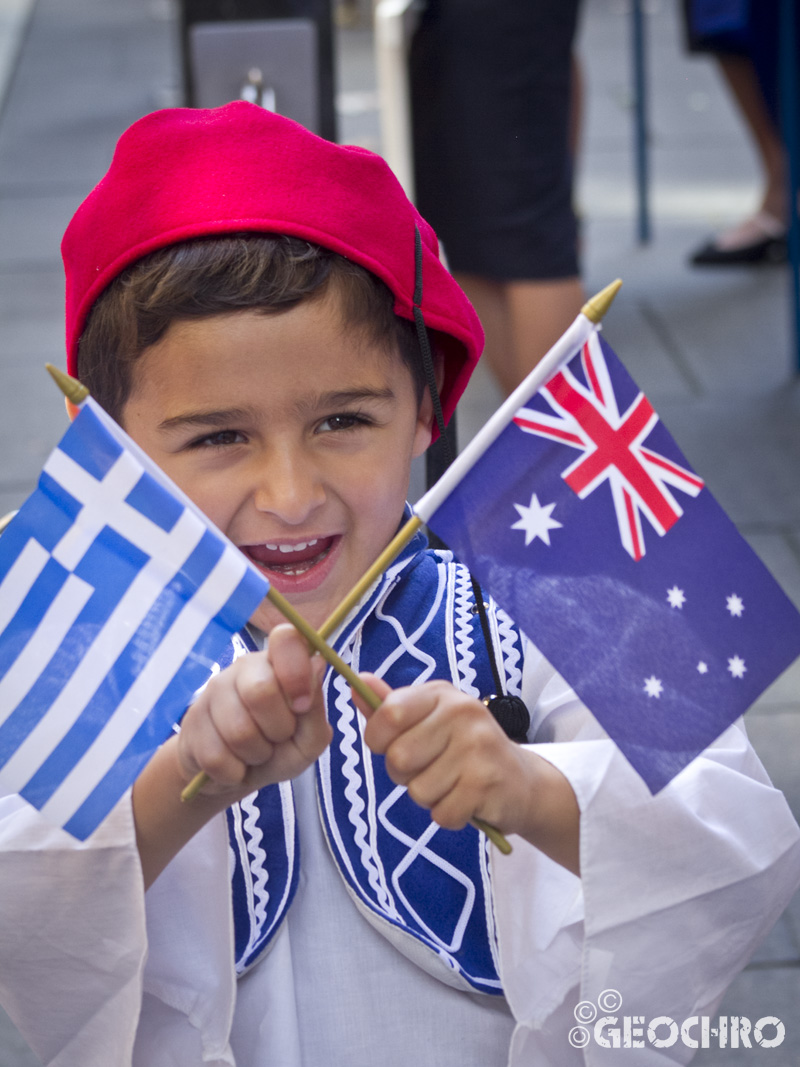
(241, 296)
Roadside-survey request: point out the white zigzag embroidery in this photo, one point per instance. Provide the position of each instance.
(510, 653)
(348, 747)
(257, 893)
(463, 634)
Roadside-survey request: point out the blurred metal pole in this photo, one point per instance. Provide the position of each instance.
(195, 11)
(787, 66)
(640, 120)
(395, 22)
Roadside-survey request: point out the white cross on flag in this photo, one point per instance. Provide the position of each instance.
(116, 595)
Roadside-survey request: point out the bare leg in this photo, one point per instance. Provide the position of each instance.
(741, 77)
(489, 300)
(522, 320)
(760, 238)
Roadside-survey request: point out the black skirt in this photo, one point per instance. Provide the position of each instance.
(491, 83)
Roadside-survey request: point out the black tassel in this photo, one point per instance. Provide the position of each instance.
(512, 714)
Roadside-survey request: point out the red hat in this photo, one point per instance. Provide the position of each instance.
(185, 172)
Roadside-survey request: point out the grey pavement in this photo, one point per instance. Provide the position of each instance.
(712, 349)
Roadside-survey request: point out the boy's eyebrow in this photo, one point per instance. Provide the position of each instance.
(343, 397)
(206, 418)
(228, 416)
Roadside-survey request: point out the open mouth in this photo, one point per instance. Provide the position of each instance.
(290, 559)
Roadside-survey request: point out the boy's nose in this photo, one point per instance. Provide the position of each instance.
(289, 487)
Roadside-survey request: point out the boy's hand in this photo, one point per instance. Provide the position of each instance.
(260, 721)
(455, 759)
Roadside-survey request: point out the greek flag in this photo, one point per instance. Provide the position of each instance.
(116, 596)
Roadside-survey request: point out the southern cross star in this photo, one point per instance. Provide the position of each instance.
(535, 520)
(735, 605)
(653, 686)
(676, 597)
(736, 666)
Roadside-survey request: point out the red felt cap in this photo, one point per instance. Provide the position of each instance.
(186, 172)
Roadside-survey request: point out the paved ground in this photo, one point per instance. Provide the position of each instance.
(712, 350)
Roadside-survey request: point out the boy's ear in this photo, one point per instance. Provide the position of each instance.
(424, 431)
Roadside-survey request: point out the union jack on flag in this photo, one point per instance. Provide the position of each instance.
(611, 445)
(618, 563)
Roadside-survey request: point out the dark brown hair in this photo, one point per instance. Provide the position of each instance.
(217, 275)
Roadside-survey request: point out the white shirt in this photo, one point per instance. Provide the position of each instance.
(676, 892)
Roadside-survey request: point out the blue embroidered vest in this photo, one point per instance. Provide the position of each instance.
(425, 888)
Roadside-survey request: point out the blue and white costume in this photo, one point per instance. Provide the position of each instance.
(364, 934)
(419, 884)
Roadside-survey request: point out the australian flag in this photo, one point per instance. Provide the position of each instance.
(116, 597)
(586, 523)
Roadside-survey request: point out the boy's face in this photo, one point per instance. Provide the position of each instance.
(293, 433)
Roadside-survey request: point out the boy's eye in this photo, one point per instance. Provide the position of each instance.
(218, 439)
(344, 421)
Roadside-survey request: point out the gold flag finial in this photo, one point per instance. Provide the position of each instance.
(70, 387)
(595, 309)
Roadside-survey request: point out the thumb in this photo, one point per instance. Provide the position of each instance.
(378, 687)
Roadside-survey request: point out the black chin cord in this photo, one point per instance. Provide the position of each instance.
(509, 711)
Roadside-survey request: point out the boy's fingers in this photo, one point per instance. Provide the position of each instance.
(411, 754)
(401, 710)
(291, 661)
(313, 734)
(378, 687)
(243, 734)
(258, 698)
(208, 752)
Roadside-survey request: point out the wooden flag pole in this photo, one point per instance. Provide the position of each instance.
(317, 642)
(74, 392)
(394, 548)
(72, 389)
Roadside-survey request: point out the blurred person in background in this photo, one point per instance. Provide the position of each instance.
(744, 39)
(495, 98)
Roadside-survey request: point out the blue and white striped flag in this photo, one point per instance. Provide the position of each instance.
(116, 596)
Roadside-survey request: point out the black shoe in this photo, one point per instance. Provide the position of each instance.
(768, 250)
(758, 239)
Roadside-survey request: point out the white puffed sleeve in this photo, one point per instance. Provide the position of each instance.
(76, 929)
(676, 890)
(72, 936)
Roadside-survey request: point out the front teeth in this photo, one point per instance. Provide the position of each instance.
(292, 548)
